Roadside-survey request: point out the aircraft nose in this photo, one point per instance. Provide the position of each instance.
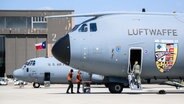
(18, 73)
(61, 50)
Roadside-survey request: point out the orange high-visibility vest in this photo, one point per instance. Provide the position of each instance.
(78, 79)
(69, 77)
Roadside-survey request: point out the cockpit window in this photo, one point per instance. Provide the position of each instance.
(83, 28)
(30, 63)
(93, 27)
(75, 27)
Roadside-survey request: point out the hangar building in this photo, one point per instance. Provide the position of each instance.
(20, 30)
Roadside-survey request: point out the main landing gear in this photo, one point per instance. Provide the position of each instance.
(115, 87)
(36, 85)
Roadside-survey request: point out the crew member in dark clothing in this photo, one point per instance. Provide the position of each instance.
(69, 78)
(78, 80)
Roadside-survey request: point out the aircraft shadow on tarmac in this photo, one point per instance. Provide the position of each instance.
(167, 92)
(131, 93)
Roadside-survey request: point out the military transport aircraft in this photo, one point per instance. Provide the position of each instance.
(38, 70)
(109, 43)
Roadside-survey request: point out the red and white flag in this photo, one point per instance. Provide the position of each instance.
(40, 46)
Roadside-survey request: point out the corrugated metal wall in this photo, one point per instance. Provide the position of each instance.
(20, 48)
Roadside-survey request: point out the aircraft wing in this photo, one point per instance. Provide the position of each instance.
(104, 14)
(80, 15)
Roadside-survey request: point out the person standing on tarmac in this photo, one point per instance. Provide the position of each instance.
(69, 78)
(78, 80)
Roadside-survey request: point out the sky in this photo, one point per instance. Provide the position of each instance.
(92, 6)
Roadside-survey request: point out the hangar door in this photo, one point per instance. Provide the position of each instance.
(2, 56)
(20, 48)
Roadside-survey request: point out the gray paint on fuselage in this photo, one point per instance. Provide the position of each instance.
(58, 71)
(112, 32)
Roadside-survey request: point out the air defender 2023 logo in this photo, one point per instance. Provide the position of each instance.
(165, 54)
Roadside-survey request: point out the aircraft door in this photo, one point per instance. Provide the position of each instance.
(135, 68)
(47, 76)
(135, 54)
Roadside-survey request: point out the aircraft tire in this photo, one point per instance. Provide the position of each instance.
(115, 87)
(36, 85)
(162, 92)
(106, 85)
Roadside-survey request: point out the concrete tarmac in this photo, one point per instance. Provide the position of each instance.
(56, 94)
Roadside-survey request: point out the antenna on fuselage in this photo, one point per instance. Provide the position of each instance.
(143, 10)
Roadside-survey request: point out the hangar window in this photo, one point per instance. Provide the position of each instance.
(83, 28)
(39, 22)
(93, 27)
(40, 25)
(2, 22)
(16, 22)
(38, 19)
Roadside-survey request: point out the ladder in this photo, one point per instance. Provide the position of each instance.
(133, 82)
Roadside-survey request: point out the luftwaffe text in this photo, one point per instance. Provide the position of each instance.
(153, 32)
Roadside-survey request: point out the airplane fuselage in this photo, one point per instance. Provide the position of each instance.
(109, 44)
(42, 69)
(158, 39)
